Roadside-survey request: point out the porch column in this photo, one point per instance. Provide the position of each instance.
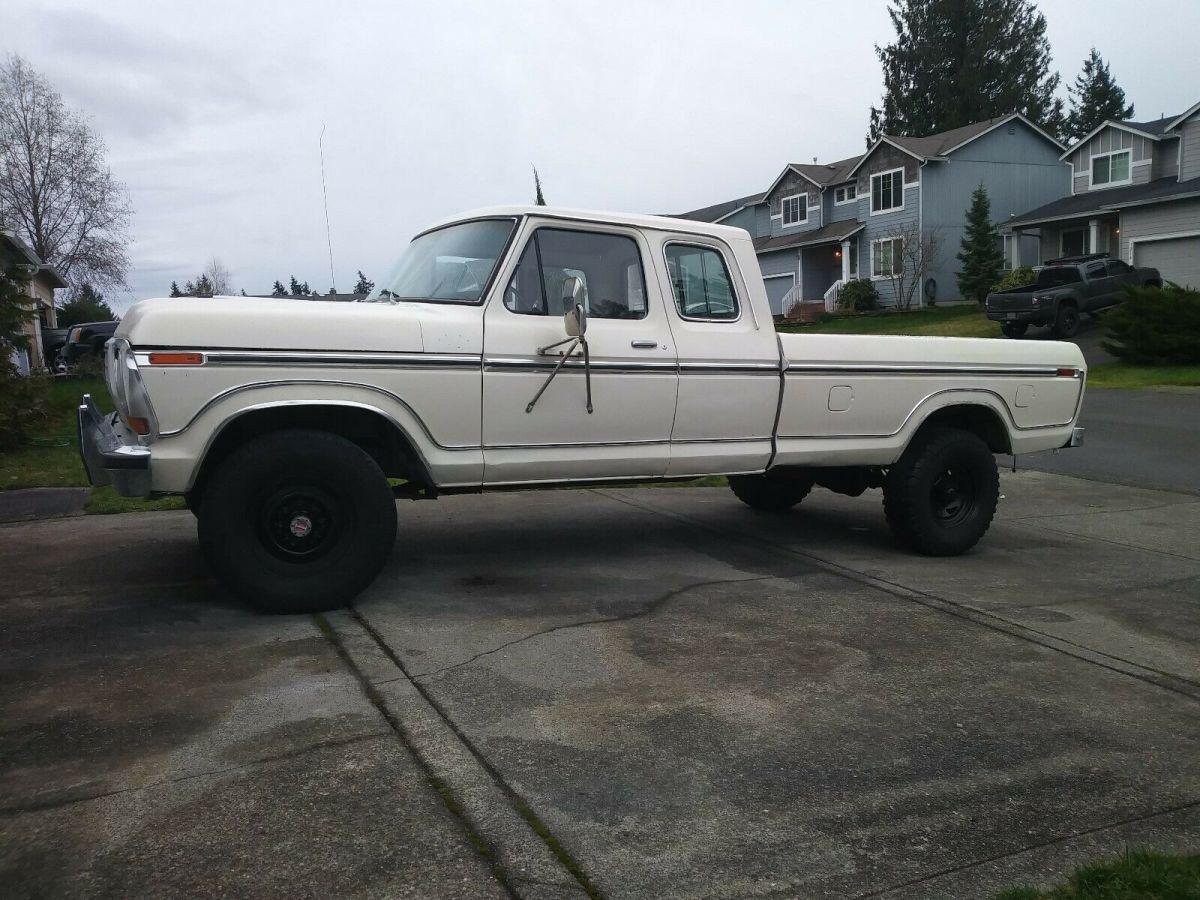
(845, 261)
(799, 276)
(1093, 236)
(1015, 240)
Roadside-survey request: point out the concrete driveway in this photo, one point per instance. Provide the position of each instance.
(617, 693)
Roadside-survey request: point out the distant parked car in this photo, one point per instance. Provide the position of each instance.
(1065, 288)
(53, 340)
(84, 339)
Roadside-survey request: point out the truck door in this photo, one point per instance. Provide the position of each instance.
(632, 361)
(1121, 273)
(729, 375)
(1100, 286)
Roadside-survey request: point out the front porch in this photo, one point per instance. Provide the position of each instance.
(1057, 238)
(819, 264)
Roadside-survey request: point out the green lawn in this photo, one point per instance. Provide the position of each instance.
(51, 458)
(1136, 875)
(944, 321)
(1126, 375)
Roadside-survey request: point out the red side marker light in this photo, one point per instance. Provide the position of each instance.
(1061, 373)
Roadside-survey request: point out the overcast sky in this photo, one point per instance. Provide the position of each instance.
(212, 111)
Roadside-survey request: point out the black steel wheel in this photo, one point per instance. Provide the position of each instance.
(1066, 323)
(297, 521)
(940, 496)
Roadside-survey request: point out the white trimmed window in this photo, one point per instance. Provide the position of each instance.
(887, 257)
(1110, 169)
(887, 191)
(795, 209)
(846, 194)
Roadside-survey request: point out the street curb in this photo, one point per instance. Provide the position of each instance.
(33, 504)
(521, 855)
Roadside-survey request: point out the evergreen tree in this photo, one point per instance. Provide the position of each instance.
(364, 285)
(175, 291)
(539, 199)
(294, 287)
(277, 289)
(189, 290)
(14, 313)
(87, 305)
(960, 61)
(203, 288)
(1095, 98)
(981, 256)
(305, 290)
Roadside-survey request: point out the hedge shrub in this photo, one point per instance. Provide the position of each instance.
(23, 402)
(1015, 278)
(1156, 327)
(858, 295)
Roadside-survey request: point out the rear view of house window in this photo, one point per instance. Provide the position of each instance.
(795, 209)
(887, 191)
(1111, 169)
(700, 282)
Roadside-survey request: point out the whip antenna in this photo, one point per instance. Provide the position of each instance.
(325, 195)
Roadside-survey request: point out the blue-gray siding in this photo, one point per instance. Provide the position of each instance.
(1189, 161)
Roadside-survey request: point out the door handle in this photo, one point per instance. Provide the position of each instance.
(643, 345)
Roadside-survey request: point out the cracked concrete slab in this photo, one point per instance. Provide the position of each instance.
(695, 713)
(159, 739)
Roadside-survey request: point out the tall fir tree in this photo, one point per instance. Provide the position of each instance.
(86, 305)
(277, 289)
(538, 199)
(175, 291)
(1095, 98)
(294, 287)
(960, 61)
(364, 285)
(981, 256)
(204, 286)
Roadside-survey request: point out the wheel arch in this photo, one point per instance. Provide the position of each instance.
(379, 435)
(975, 415)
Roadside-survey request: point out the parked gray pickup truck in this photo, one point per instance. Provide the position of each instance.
(1064, 289)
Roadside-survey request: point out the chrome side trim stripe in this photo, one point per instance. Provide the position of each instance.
(905, 369)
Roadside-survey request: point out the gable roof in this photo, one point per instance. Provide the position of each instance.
(826, 174)
(719, 211)
(1151, 130)
(1180, 119)
(942, 144)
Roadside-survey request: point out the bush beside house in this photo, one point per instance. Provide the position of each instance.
(1156, 327)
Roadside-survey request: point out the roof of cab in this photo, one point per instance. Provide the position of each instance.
(661, 223)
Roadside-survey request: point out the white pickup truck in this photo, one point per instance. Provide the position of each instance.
(538, 347)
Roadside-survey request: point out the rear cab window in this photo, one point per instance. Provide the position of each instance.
(1053, 276)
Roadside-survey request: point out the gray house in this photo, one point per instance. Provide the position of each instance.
(1135, 194)
(820, 225)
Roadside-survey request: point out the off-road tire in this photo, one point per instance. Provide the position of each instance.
(767, 493)
(919, 489)
(297, 521)
(1014, 329)
(1066, 321)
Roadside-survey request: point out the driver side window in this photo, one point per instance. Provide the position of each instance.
(608, 265)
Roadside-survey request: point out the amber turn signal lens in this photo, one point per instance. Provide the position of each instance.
(176, 359)
(138, 424)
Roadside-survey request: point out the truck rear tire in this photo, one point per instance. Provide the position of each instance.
(939, 498)
(1066, 322)
(769, 494)
(297, 521)
(1014, 329)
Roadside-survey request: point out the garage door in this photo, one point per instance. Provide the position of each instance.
(1178, 259)
(776, 288)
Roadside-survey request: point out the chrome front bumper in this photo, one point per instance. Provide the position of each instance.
(110, 457)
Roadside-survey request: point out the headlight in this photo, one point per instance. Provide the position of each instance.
(127, 389)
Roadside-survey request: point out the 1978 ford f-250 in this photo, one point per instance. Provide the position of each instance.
(535, 346)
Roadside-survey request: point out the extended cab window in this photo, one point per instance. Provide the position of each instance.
(701, 283)
(609, 265)
(1118, 267)
(1053, 276)
(1095, 270)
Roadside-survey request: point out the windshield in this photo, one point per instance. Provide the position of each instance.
(451, 264)
(1056, 275)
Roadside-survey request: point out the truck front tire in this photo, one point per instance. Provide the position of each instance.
(297, 521)
(1066, 321)
(939, 498)
(767, 493)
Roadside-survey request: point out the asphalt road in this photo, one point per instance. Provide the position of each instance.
(1145, 439)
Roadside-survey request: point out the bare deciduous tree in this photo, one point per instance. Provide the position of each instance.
(56, 190)
(219, 278)
(917, 257)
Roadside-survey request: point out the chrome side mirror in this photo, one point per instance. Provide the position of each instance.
(575, 317)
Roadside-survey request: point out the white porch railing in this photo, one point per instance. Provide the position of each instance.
(831, 295)
(790, 299)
